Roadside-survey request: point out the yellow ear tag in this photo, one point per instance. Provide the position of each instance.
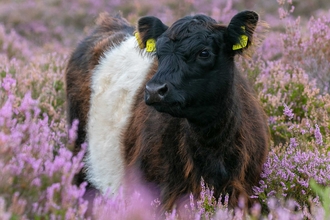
(151, 45)
(242, 41)
(138, 39)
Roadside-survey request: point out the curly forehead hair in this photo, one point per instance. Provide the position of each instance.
(189, 25)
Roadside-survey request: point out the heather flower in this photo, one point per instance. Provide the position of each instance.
(318, 135)
(72, 133)
(5, 215)
(288, 112)
(8, 82)
(7, 110)
(293, 142)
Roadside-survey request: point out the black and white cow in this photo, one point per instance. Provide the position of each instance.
(170, 103)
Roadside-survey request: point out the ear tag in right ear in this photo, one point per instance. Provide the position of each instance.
(151, 45)
(243, 40)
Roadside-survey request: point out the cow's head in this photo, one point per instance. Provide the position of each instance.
(195, 61)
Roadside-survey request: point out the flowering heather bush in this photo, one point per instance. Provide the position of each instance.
(290, 73)
(36, 166)
(297, 103)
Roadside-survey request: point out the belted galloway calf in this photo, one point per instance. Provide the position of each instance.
(170, 103)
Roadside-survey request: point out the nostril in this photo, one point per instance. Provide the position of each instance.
(162, 90)
(155, 93)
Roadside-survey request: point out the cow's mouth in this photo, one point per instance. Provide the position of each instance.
(166, 105)
(172, 108)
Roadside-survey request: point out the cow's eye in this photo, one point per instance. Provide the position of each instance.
(204, 54)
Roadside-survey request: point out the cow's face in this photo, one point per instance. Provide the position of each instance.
(195, 64)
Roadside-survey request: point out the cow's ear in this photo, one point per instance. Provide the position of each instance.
(240, 30)
(148, 30)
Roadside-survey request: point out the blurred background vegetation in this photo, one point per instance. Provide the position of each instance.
(48, 22)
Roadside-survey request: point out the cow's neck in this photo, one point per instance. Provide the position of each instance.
(220, 122)
(219, 130)
(211, 143)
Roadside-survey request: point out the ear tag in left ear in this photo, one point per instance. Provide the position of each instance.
(243, 40)
(151, 45)
(138, 39)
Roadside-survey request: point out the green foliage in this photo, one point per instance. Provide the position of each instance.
(324, 194)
